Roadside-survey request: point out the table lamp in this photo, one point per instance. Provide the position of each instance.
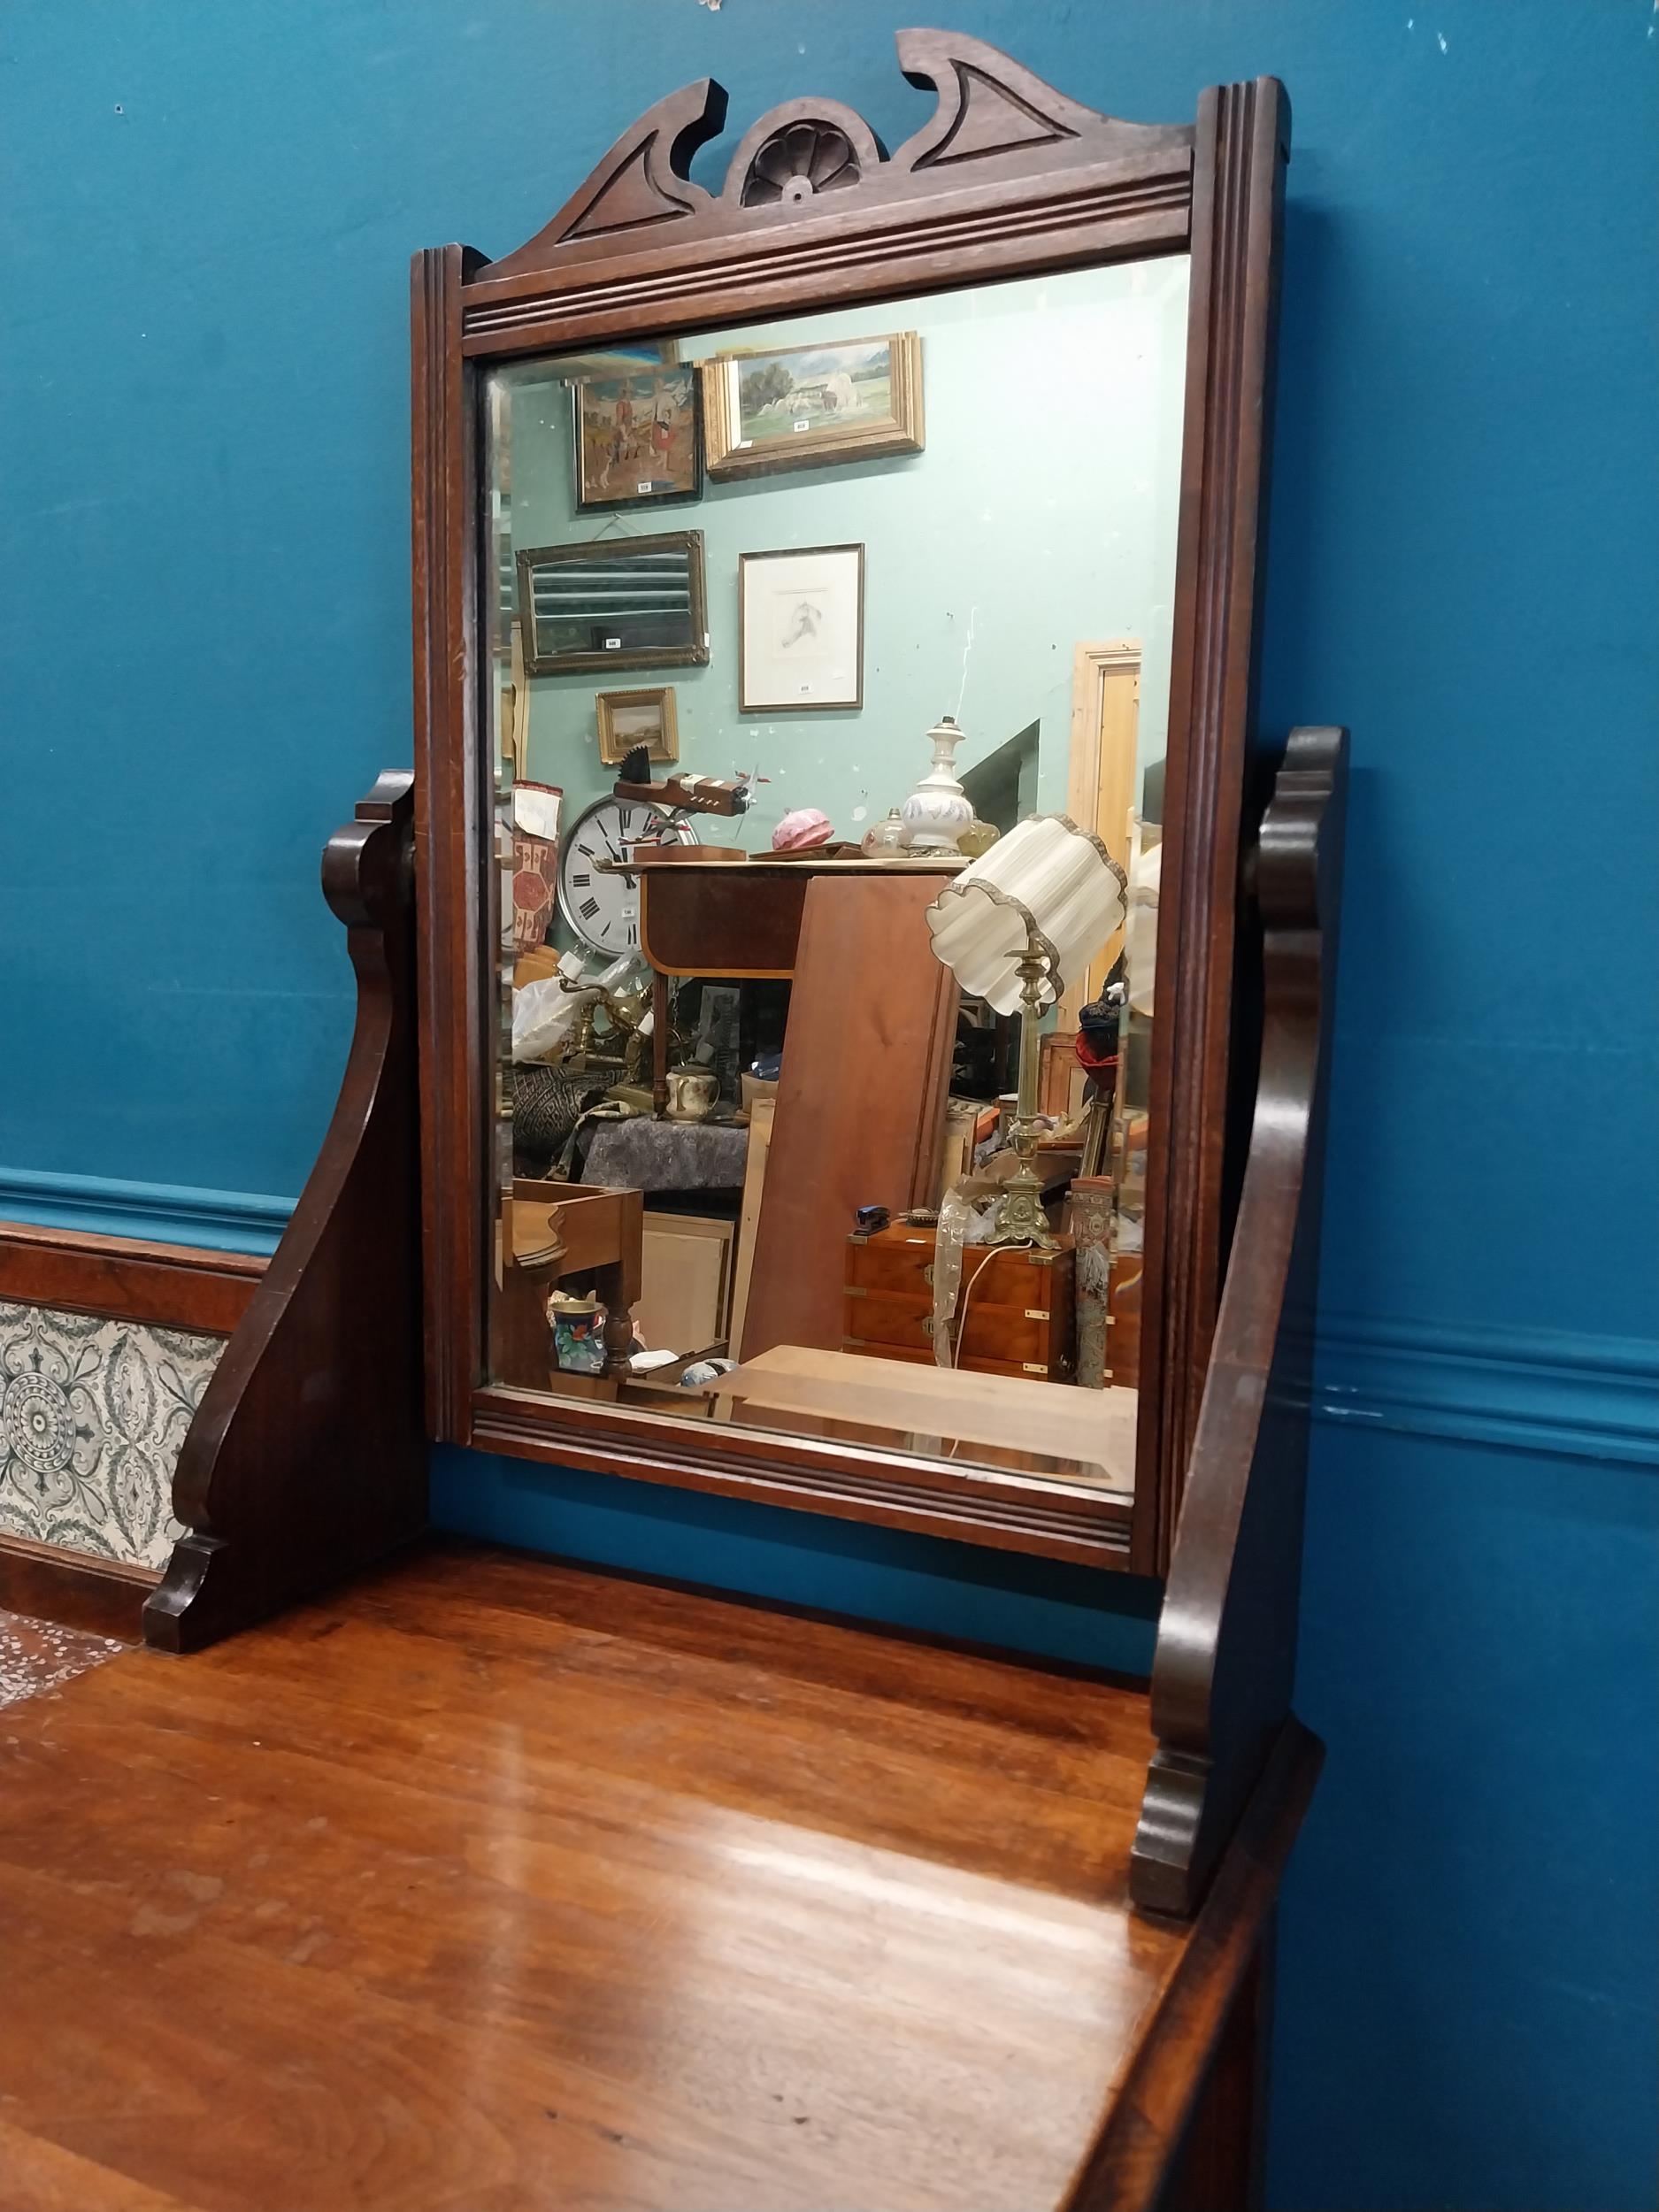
(1010, 927)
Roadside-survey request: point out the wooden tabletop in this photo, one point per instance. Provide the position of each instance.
(492, 1884)
(1084, 1435)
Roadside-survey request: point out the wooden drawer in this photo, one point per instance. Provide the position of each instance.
(1020, 1337)
(1018, 1304)
(971, 1364)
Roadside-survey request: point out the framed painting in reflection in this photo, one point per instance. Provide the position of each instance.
(808, 406)
(638, 438)
(627, 719)
(801, 629)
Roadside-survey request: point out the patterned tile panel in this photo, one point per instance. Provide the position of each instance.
(92, 1414)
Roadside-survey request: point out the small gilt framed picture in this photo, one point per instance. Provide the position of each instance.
(627, 719)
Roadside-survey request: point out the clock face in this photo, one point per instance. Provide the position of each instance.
(602, 906)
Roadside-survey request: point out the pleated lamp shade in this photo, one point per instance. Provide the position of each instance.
(1046, 885)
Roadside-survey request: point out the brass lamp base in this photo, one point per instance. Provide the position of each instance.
(1019, 1218)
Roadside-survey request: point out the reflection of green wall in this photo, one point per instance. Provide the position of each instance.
(1041, 512)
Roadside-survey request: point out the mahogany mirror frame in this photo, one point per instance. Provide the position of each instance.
(1006, 179)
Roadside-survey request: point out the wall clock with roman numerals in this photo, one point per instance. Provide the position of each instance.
(601, 906)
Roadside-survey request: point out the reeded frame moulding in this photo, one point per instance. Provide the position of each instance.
(1007, 178)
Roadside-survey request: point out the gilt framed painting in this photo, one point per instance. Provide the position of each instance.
(631, 718)
(808, 406)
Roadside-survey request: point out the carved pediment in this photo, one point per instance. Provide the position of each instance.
(988, 104)
(992, 117)
(799, 150)
(643, 182)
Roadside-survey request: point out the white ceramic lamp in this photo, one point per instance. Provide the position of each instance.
(1010, 927)
(939, 809)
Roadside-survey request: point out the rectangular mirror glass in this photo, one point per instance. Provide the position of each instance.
(823, 1066)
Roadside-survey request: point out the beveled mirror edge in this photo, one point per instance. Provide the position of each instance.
(894, 1489)
(1111, 195)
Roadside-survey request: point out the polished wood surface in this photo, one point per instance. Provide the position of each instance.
(490, 1884)
(38, 1656)
(860, 1106)
(103, 1597)
(712, 920)
(307, 1457)
(1226, 1654)
(737, 918)
(1015, 1311)
(1200, 2081)
(178, 1285)
(720, 921)
(1007, 177)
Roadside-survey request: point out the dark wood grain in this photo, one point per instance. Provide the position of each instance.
(860, 1110)
(1157, 2133)
(799, 150)
(893, 1488)
(104, 1596)
(490, 1884)
(177, 1285)
(643, 182)
(458, 893)
(1205, 1026)
(1226, 1648)
(1007, 177)
(307, 1456)
(720, 922)
(1222, 2164)
(709, 922)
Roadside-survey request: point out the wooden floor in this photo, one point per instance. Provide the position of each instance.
(37, 1658)
(493, 1884)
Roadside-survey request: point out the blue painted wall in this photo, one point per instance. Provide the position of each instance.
(204, 657)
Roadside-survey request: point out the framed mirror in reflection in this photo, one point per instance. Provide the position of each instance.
(620, 602)
(804, 1222)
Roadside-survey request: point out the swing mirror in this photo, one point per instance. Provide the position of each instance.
(724, 1135)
